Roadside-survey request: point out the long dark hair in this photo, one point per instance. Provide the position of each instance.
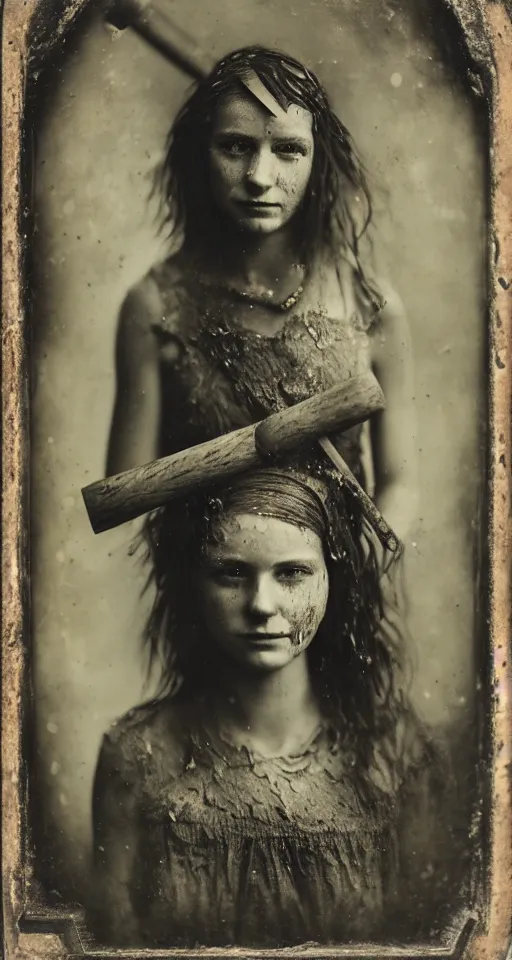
(337, 207)
(358, 661)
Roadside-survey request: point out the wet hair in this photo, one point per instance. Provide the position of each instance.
(337, 206)
(357, 660)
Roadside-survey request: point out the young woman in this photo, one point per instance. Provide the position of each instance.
(280, 790)
(266, 299)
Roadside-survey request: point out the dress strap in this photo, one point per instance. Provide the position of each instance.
(178, 316)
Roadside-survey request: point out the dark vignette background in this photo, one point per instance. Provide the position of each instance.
(403, 82)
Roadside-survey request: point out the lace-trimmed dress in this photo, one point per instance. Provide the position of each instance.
(236, 849)
(218, 376)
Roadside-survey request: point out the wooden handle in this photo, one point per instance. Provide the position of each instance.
(127, 495)
(353, 400)
(152, 20)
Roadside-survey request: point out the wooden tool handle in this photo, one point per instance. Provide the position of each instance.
(127, 495)
(118, 499)
(152, 20)
(290, 428)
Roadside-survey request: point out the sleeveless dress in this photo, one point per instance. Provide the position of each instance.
(236, 849)
(217, 376)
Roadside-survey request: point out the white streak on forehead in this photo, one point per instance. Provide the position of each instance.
(258, 89)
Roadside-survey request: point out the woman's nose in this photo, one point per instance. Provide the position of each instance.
(262, 600)
(260, 170)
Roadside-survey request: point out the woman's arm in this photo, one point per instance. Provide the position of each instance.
(115, 852)
(394, 430)
(135, 427)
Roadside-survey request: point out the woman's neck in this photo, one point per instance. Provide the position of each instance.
(253, 260)
(272, 713)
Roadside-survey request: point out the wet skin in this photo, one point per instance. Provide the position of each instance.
(263, 590)
(260, 164)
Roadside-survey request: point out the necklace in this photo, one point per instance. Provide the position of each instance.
(281, 306)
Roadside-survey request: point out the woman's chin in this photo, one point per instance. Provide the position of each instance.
(253, 223)
(265, 661)
(260, 226)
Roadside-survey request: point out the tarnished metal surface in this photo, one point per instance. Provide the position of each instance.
(32, 28)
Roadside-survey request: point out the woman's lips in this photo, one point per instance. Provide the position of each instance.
(264, 637)
(256, 206)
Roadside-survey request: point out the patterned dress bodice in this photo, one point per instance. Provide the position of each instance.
(217, 376)
(233, 848)
(244, 850)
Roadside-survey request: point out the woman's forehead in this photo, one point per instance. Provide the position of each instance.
(245, 533)
(243, 114)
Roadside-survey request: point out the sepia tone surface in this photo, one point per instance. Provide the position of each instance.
(53, 546)
(94, 241)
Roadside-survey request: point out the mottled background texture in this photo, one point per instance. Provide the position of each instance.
(101, 122)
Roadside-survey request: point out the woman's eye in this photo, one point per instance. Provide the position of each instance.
(290, 150)
(235, 148)
(290, 574)
(229, 574)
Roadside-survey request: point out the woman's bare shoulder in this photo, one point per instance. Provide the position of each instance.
(391, 303)
(369, 294)
(390, 330)
(157, 297)
(140, 737)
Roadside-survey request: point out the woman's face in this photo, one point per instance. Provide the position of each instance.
(260, 164)
(263, 590)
